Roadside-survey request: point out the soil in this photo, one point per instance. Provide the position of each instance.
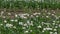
(19, 11)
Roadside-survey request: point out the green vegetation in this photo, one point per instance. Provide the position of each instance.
(29, 4)
(36, 17)
(31, 24)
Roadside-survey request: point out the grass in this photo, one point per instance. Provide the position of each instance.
(35, 18)
(43, 22)
(29, 4)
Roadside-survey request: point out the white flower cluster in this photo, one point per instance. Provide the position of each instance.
(9, 25)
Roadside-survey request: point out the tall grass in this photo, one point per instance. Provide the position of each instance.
(29, 4)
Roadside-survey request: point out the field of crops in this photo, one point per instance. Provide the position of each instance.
(29, 17)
